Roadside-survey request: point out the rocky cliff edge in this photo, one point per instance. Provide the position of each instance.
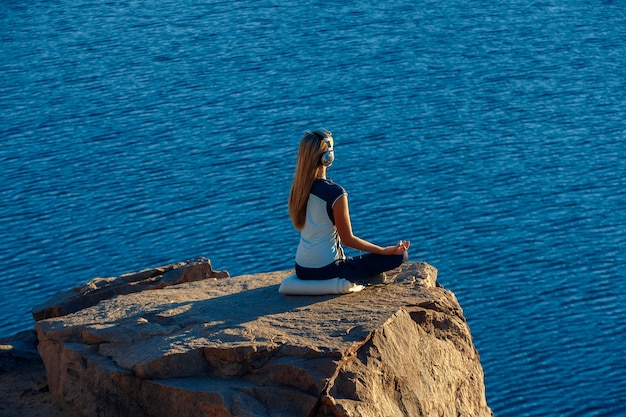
(184, 340)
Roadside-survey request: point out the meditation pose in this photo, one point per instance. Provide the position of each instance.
(319, 210)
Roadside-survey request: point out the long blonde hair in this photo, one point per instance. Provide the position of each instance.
(308, 168)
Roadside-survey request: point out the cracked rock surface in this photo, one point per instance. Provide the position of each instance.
(222, 346)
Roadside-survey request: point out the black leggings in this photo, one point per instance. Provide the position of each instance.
(358, 269)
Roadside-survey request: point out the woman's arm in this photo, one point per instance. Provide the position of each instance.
(344, 228)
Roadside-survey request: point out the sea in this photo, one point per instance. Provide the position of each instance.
(491, 134)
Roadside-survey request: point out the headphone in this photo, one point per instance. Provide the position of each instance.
(327, 157)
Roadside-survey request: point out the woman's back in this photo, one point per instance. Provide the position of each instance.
(319, 241)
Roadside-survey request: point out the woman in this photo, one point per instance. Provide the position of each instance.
(319, 210)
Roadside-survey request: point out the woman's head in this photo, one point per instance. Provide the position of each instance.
(316, 148)
(315, 154)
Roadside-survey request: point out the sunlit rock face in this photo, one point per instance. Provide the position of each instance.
(212, 345)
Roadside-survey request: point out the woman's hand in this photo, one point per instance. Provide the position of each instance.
(398, 249)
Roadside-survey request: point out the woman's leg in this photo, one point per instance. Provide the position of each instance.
(369, 265)
(326, 272)
(360, 269)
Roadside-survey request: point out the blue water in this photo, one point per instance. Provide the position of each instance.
(490, 134)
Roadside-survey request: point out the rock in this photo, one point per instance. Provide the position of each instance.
(23, 386)
(99, 289)
(236, 347)
(19, 348)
